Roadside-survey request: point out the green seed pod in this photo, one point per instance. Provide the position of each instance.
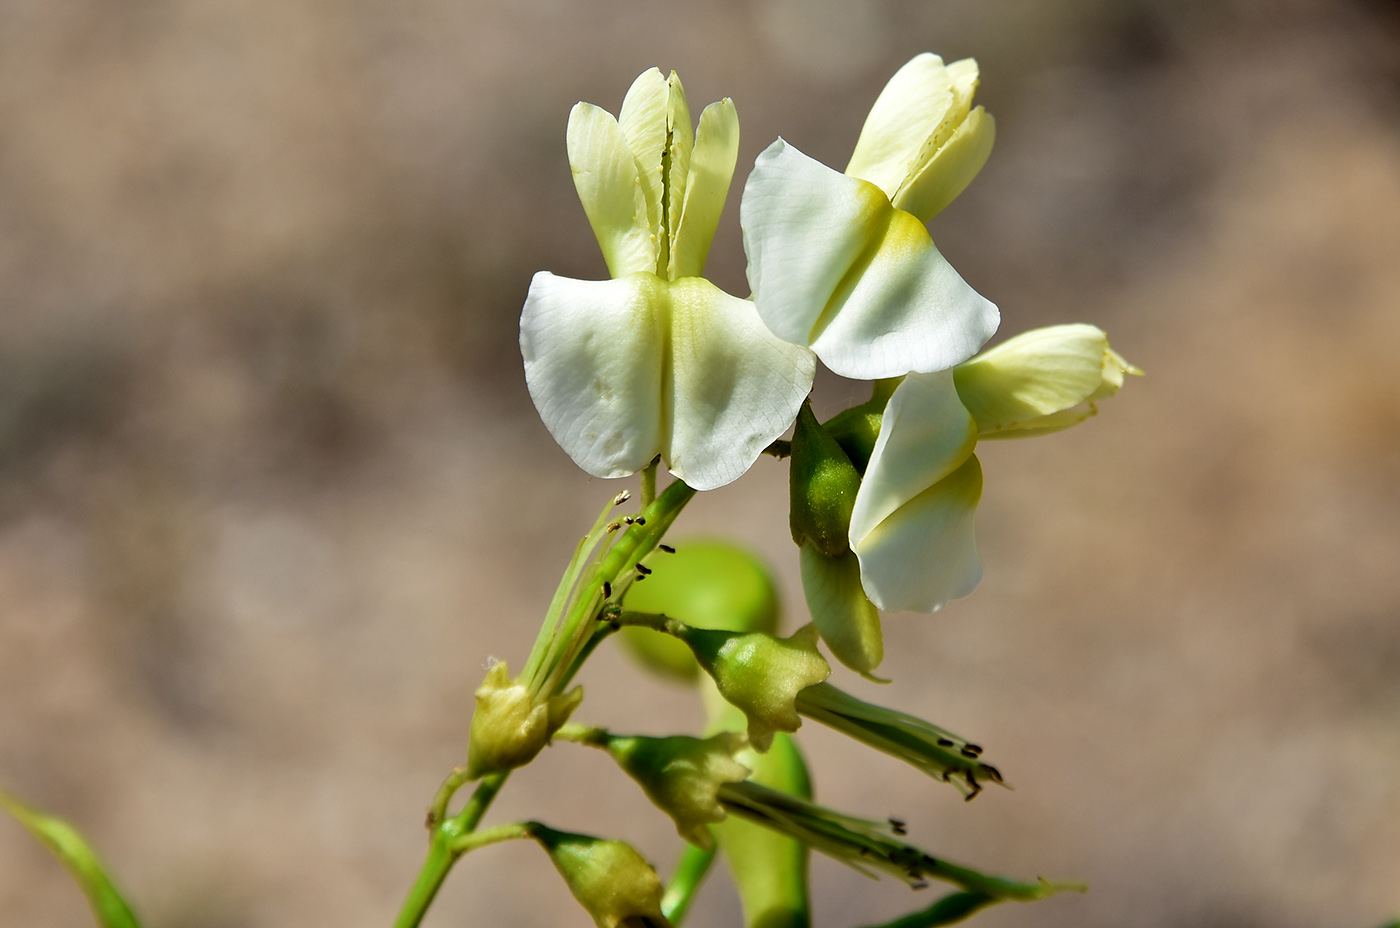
(760, 674)
(822, 486)
(508, 728)
(856, 429)
(617, 887)
(770, 869)
(707, 584)
(682, 775)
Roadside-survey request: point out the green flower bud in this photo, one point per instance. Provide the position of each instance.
(682, 775)
(822, 487)
(608, 878)
(707, 584)
(936, 751)
(760, 674)
(509, 727)
(847, 621)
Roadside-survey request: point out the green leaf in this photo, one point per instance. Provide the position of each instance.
(73, 851)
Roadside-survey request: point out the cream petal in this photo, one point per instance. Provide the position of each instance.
(605, 175)
(925, 435)
(681, 142)
(593, 363)
(905, 115)
(925, 553)
(733, 387)
(711, 170)
(846, 620)
(1039, 374)
(833, 265)
(643, 122)
(937, 183)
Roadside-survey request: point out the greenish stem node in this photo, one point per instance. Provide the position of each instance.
(441, 852)
(690, 874)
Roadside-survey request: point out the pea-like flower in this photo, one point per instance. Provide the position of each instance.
(657, 360)
(842, 263)
(912, 522)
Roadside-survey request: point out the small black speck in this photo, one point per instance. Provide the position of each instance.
(667, 548)
(644, 569)
(641, 520)
(968, 752)
(944, 743)
(974, 748)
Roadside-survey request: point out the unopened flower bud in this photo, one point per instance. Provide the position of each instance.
(682, 776)
(707, 584)
(760, 674)
(617, 887)
(844, 617)
(822, 486)
(1040, 381)
(509, 728)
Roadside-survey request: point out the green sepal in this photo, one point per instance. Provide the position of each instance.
(613, 882)
(822, 484)
(856, 429)
(706, 584)
(949, 910)
(759, 674)
(73, 851)
(682, 775)
(510, 726)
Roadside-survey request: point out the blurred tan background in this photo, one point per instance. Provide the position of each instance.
(272, 490)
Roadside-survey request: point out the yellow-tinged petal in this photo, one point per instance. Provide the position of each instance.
(834, 266)
(732, 386)
(643, 119)
(939, 182)
(925, 553)
(925, 435)
(1037, 382)
(680, 141)
(846, 620)
(605, 175)
(905, 116)
(712, 163)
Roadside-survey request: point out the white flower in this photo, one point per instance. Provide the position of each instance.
(657, 360)
(842, 263)
(912, 522)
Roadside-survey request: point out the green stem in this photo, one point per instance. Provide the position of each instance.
(443, 846)
(690, 873)
(945, 911)
(649, 483)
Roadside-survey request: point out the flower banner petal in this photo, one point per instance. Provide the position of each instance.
(593, 362)
(834, 266)
(711, 170)
(643, 121)
(925, 553)
(732, 386)
(939, 182)
(924, 436)
(605, 175)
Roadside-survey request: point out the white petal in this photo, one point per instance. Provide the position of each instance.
(833, 265)
(1035, 375)
(678, 166)
(926, 552)
(711, 170)
(593, 362)
(905, 115)
(925, 435)
(605, 175)
(947, 174)
(846, 620)
(733, 386)
(643, 121)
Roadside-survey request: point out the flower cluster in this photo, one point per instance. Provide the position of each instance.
(658, 361)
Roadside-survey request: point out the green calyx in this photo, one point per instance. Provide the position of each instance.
(683, 775)
(509, 727)
(856, 429)
(705, 584)
(614, 883)
(822, 487)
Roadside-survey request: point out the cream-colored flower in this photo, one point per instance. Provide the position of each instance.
(657, 360)
(843, 264)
